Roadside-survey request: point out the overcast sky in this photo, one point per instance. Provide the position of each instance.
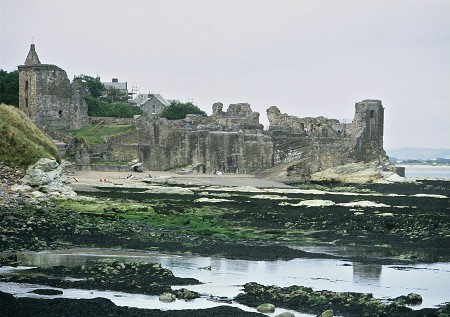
(307, 57)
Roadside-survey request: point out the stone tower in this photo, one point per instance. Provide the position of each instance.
(48, 97)
(368, 126)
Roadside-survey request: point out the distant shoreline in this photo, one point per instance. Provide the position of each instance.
(422, 171)
(424, 166)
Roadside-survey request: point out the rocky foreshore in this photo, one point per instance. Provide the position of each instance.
(130, 277)
(347, 304)
(61, 307)
(10, 177)
(405, 219)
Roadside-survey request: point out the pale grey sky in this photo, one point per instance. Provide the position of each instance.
(307, 57)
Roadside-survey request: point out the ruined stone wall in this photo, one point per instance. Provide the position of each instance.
(314, 144)
(306, 145)
(367, 131)
(50, 100)
(47, 96)
(163, 144)
(113, 120)
(238, 117)
(231, 141)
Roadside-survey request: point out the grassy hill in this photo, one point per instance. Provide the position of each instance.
(21, 142)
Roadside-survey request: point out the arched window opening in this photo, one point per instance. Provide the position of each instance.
(60, 112)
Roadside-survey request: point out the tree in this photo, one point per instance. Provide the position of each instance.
(101, 108)
(9, 87)
(116, 95)
(178, 110)
(93, 85)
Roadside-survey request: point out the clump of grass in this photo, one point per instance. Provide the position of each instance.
(22, 143)
(95, 134)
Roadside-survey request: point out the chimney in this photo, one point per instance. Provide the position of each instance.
(115, 80)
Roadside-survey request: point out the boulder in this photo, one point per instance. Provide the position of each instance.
(167, 298)
(266, 308)
(138, 167)
(186, 294)
(414, 299)
(327, 313)
(349, 173)
(46, 175)
(43, 172)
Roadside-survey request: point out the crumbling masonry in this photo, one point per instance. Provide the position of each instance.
(231, 141)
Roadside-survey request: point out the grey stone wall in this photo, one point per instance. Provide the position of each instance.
(48, 97)
(231, 141)
(163, 144)
(221, 143)
(367, 131)
(315, 144)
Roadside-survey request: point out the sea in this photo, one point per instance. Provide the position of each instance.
(427, 171)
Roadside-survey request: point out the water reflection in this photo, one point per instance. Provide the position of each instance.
(224, 278)
(48, 259)
(367, 273)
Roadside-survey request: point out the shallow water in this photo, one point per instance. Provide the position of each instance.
(427, 171)
(226, 277)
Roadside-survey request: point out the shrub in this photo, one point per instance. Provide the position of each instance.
(178, 110)
(100, 108)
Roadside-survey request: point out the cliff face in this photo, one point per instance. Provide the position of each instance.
(233, 142)
(304, 146)
(225, 142)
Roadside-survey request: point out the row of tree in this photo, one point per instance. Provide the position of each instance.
(9, 87)
(102, 101)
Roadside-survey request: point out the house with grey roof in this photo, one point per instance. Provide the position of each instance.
(114, 83)
(117, 91)
(152, 104)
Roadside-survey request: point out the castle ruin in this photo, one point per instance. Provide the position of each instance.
(231, 141)
(48, 97)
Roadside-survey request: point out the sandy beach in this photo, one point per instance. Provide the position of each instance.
(86, 180)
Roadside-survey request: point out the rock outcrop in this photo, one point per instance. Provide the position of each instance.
(371, 172)
(44, 178)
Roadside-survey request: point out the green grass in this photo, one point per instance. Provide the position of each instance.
(21, 141)
(94, 134)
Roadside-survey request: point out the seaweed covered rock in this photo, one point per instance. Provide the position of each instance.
(167, 298)
(323, 303)
(410, 299)
(266, 308)
(133, 277)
